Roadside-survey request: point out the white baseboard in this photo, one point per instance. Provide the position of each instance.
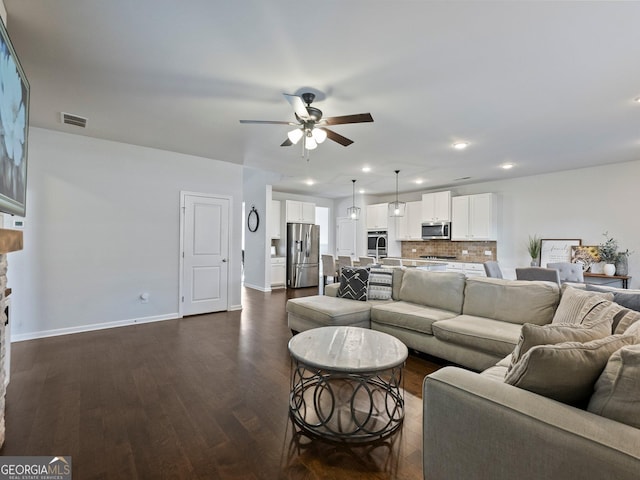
(256, 287)
(233, 308)
(96, 326)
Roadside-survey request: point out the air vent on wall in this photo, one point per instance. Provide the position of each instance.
(75, 120)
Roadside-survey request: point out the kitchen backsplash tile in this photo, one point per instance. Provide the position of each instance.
(475, 250)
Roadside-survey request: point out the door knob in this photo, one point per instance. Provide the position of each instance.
(224, 260)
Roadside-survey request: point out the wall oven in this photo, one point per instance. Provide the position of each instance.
(436, 231)
(377, 243)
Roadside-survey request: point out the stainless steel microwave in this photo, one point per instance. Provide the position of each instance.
(436, 231)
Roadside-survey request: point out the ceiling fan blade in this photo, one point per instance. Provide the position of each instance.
(298, 105)
(286, 143)
(336, 137)
(276, 122)
(357, 118)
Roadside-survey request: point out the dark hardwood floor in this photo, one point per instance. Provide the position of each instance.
(204, 397)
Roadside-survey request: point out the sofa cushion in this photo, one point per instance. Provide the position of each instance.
(353, 283)
(566, 371)
(617, 390)
(575, 304)
(326, 310)
(409, 315)
(443, 290)
(477, 333)
(380, 283)
(628, 318)
(499, 370)
(629, 298)
(532, 335)
(513, 301)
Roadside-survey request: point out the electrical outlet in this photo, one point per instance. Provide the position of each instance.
(413, 250)
(465, 252)
(487, 253)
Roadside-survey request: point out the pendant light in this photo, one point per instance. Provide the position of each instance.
(353, 211)
(396, 209)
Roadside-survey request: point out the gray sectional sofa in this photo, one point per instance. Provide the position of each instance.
(473, 322)
(475, 424)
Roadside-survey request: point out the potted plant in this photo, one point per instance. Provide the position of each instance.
(533, 247)
(608, 252)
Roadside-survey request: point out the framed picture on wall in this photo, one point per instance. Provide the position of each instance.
(557, 250)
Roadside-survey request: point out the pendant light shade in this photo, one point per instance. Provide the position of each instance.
(397, 208)
(353, 211)
(319, 135)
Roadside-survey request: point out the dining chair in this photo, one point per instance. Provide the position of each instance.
(344, 261)
(329, 268)
(392, 261)
(569, 272)
(538, 273)
(492, 269)
(366, 261)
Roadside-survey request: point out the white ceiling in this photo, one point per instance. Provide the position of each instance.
(545, 85)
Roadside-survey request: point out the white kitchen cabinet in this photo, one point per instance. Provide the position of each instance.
(278, 271)
(469, 269)
(274, 219)
(436, 207)
(474, 217)
(409, 227)
(377, 216)
(300, 212)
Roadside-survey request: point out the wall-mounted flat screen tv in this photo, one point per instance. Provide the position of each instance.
(14, 129)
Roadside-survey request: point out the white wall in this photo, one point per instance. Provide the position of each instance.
(102, 226)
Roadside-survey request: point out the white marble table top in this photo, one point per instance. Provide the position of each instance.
(347, 349)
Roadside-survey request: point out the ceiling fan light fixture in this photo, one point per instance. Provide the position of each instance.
(295, 135)
(397, 208)
(353, 211)
(310, 143)
(319, 135)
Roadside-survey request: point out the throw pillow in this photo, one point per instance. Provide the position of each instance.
(353, 283)
(532, 335)
(567, 371)
(380, 283)
(618, 388)
(575, 304)
(625, 321)
(626, 299)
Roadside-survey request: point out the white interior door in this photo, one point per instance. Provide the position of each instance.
(346, 236)
(205, 253)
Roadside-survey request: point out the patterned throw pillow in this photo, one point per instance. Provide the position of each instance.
(353, 283)
(380, 283)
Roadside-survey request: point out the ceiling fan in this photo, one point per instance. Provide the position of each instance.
(311, 125)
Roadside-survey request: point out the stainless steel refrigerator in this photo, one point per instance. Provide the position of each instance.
(303, 255)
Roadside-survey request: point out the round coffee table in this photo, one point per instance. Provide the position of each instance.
(346, 383)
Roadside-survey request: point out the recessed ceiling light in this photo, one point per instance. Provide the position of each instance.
(309, 182)
(637, 100)
(419, 181)
(460, 145)
(361, 190)
(507, 166)
(366, 169)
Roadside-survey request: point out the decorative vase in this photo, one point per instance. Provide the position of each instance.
(622, 265)
(534, 263)
(609, 269)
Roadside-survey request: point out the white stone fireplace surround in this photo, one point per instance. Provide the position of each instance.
(10, 241)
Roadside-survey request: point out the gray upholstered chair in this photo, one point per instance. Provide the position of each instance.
(366, 261)
(569, 272)
(329, 268)
(538, 273)
(344, 261)
(492, 269)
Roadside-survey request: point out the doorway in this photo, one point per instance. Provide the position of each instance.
(204, 253)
